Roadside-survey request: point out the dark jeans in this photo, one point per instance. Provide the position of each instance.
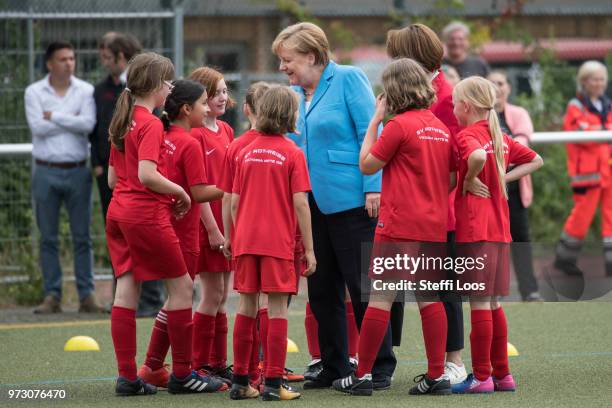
(152, 292)
(52, 187)
(452, 305)
(522, 257)
(338, 239)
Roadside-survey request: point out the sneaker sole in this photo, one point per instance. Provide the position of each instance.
(360, 393)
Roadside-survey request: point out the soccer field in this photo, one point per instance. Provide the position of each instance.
(565, 360)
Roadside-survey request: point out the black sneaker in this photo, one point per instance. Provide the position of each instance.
(425, 385)
(381, 382)
(568, 267)
(125, 387)
(354, 386)
(194, 383)
(224, 374)
(313, 370)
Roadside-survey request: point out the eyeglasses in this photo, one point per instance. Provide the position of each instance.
(169, 84)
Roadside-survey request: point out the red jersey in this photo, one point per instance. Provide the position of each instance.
(185, 164)
(214, 146)
(443, 109)
(414, 198)
(269, 171)
(485, 219)
(132, 202)
(231, 156)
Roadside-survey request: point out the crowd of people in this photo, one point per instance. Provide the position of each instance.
(315, 178)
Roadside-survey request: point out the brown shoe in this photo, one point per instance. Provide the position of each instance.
(90, 305)
(51, 304)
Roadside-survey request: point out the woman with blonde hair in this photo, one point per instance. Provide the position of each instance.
(588, 165)
(483, 227)
(336, 104)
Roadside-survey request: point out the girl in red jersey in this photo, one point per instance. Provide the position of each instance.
(273, 167)
(249, 109)
(415, 151)
(185, 108)
(141, 240)
(210, 318)
(483, 226)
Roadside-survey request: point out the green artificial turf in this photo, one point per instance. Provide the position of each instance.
(565, 360)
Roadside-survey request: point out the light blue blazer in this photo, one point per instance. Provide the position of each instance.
(331, 133)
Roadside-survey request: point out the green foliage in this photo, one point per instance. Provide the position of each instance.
(30, 291)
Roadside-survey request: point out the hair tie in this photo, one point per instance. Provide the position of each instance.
(128, 89)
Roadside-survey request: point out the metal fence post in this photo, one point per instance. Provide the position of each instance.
(178, 38)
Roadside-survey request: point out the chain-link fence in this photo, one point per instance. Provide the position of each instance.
(26, 28)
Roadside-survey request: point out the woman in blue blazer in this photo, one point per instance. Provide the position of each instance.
(336, 104)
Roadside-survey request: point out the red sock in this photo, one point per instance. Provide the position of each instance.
(180, 330)
(373, 329)
(480, 343)
(351, 328)
(499, 345)
(243, 343)
(312, 333)
(254, 361)
(123, 331)
(203, 337)
(159, 343)
(219, 354)
(277, 348)
(434, 324)
(263, 334)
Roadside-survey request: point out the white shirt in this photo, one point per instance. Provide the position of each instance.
(64, 138)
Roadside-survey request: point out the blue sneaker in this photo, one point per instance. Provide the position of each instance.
(473, 386)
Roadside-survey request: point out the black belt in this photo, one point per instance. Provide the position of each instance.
(61, 165)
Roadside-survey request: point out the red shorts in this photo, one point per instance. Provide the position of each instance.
(212, 261)
(492, 279)
(150, 252)
(259, 273)
(191, 260)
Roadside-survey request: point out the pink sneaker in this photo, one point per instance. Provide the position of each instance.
(504, 384)
(473, 386)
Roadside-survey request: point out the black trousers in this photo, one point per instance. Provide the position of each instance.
(338, 239)
(452, 305)
(152, 293)
(522, 257)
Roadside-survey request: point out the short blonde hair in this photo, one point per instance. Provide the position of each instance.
(407, 86)
(304, 38)
(586, 70)
(254, 93)
(417, 41)
(277, 110)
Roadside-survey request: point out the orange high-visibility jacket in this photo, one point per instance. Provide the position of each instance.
(588, 164)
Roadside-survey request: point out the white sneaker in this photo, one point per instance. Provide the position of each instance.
(456, 374)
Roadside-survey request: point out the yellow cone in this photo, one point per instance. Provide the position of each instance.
(512, 351)
(81, 343)
(292, 347)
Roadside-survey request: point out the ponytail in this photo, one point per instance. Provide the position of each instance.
(498, 148)
(146, 74)
(165, 120)
(122, 119)
(481, 94)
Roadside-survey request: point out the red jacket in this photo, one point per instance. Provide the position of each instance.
(588, 164)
